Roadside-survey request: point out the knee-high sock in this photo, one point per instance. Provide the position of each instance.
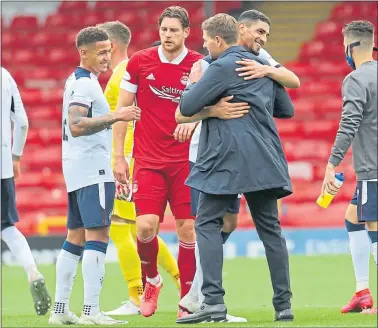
(20, 249)
(360, 251)
(187, 265)
(168, 262)
(148, 250)
(93, 268)
(66, 267)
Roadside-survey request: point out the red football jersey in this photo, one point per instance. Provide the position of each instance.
(158, 85)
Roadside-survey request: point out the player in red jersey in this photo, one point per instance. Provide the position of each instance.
(155, 79)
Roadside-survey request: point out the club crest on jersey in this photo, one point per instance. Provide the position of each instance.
(184, 79)
(135, 187)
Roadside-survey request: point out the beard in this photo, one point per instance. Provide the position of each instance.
(173, 47)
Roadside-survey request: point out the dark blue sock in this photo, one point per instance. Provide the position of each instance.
(72, 248)
(373, 236)
(225, 236)
(96, 246)
(353, 227)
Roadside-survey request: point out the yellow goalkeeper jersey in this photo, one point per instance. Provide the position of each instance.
(111, 94)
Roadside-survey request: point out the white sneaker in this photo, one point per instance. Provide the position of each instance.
(127, 308)
(68, 318)
(190, 303)
(231, 318)
(99, 319)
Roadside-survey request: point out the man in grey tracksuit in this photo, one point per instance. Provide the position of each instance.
(358, 127)
(236, 156)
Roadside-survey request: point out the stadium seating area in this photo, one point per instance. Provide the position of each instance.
(40, 55)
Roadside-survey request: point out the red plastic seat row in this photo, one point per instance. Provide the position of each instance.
(40, 158)
(308, 191)
(318, 107)
(45, 136)
(310, 215)
(313, 149)
(47, 181)
(35, 97)
(319, 129)
(40, 198)
(348, 11)
(24, 23)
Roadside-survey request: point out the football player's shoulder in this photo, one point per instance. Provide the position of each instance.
(194, 55)
(5, 73)
(146, 54)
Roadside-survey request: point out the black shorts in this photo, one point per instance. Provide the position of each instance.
(9, 214)
(194, 199)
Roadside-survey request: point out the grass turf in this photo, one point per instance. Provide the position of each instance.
(320, 285)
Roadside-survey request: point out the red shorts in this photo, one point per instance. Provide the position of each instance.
(156, 183)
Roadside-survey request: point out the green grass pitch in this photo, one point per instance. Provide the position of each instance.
(320, 284)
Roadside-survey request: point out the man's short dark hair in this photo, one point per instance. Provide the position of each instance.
(90, 35)
(222, 25)
(360, 30)
(252, 16)
(176, 12)
(117, 31)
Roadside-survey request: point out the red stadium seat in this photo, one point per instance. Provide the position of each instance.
(311, 49)
(31, 97)
(71, 7)
(56, 22)
(310, 215)
(328, 29)
(304, 109)
(309, 149)
(289, 128)
(320, 129)
(346, 11)
(129, 19)
(27, 23)
(93, 18)
(6, 57)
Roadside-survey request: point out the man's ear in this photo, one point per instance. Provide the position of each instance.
(241, 29)
(186, 32)
(83, 53)
(114, 46)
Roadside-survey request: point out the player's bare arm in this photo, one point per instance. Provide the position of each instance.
(223, 109)
(82, 125)
(121, 168)
(254, 70)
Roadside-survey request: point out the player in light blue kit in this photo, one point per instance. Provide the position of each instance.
(86, 146)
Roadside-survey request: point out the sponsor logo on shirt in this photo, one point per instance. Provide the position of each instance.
(169, 93)
(150, 77)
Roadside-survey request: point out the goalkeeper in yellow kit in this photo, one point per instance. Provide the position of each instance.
(123, 227)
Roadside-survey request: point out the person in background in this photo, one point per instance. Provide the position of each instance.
(358, 128)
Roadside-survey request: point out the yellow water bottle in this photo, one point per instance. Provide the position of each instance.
(324, 201)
